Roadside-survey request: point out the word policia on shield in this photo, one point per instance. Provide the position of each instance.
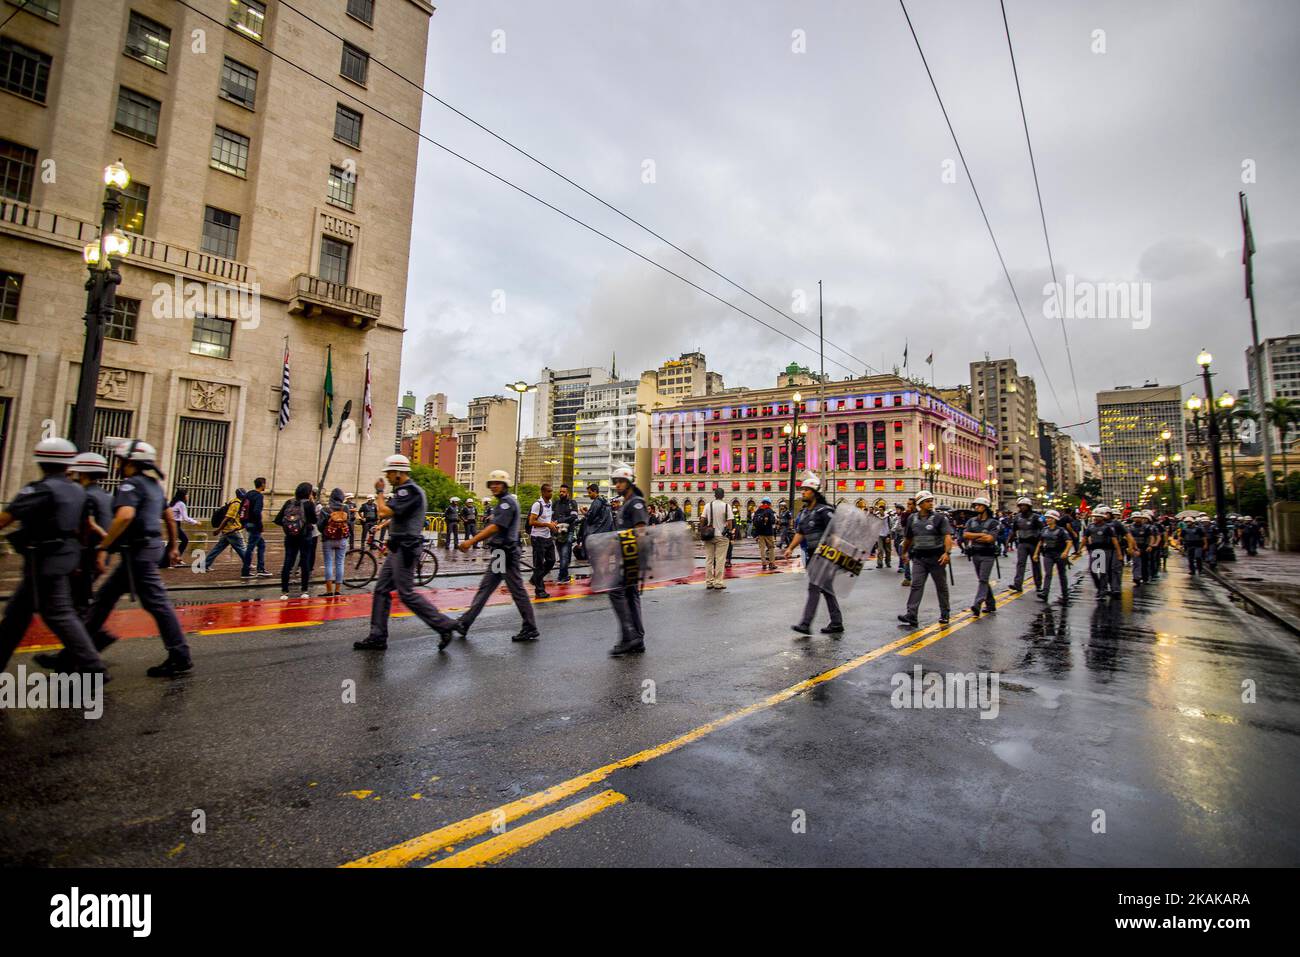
(847, 544)
(653, 553)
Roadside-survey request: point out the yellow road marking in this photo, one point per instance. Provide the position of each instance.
(243, 628)
(958, 625)
(503, 845)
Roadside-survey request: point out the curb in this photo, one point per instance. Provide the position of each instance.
(1262, 605)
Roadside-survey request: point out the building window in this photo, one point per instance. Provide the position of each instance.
(148, 41)
(356, 64)
(342, 187)
(211, 337)
(105, 424)
(220, 232)
(24, 71)
(135, 206)
(121, 324)
(137, 115)
(248, 17)
(48, 9)
(17, 171)
(363, 10)
(238, 83)
(347, 126)
(11, 290)
(230, 151)
(201, 461)
(335, 256)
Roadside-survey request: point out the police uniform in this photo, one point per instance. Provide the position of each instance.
(1100, 540)
(927, 533)
(503, 564)
(141, 548)
(1053, 545)
(626, 597)
(1027, 529)
(812, 524)
(1144, 536)
(100, 506)
(52, 512)
(451, 515)
(1117, 566)
(405, 542)
(469, 517)
(983, 556)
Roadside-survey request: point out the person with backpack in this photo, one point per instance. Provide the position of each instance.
(251, 515)
(226, 520)
(297, 518)
(764, 526)
(334, 522)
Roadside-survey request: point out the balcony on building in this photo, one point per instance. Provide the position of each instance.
(314, 297)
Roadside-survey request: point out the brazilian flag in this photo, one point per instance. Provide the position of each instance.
(329, 388)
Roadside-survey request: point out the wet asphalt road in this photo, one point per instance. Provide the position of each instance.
(1129, 715)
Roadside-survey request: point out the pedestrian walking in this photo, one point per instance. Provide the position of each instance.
(179, 507)
(814, 519)
(251, 514)
(1053, 553)
(980, 535)
(630, 513)
(56, 515)
(1026, 527)
(332, 520)
(404, 510)
(926, 546)
(502, 536)
(763, 525)
(541, 529)
(565, 516)
(715, 524)
(86, 470)
(229, 526)
(297, 519)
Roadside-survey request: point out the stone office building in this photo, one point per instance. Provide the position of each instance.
(266, 209)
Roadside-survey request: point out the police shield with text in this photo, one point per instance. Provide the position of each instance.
(811, 526)
(630, 514)
(404, 510)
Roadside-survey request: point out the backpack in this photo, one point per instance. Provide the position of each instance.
(337, 526)
(219, 514)
(291, 519)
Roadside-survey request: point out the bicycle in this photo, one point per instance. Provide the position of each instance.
(361, 564)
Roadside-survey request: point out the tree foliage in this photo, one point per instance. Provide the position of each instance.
(439, 487)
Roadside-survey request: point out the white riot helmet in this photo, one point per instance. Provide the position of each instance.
(134, 450)
(55, 452)
(622, 471)
(88, 463)
(810, 480)
(982, 501)
(1053, 513)
(498, 475)
(397, 463)
(923, 497)
(1025, 501)
(455, 498)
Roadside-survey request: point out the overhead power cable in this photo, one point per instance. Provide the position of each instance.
(987, 225)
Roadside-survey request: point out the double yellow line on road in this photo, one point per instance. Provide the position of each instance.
(444, 839)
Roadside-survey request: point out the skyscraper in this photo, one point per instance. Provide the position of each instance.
(1131, 419)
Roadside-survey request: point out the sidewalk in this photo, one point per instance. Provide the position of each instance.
(1270, 580)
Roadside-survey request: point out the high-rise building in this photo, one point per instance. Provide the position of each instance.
(1280, 368)
(1062, 459)
(559, 397)
(613, 428)
(486, 442)
(263, 207)
(1004, 398)
(406, 415)
(688, 375)
(1131, 420)
(433, 447)
(546, 460)
(435, 407)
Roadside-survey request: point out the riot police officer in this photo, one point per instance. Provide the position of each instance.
(54, 516)
(629, 513)
(814, 519)
(140, 517)
(469, 517)
(1053, 543)
(1026, 527)
(502, 535)
(1127, 547)
(1104, 550)
(404, 510)
(981, 537)
(926, 547)
(451, 515)
(87, 468)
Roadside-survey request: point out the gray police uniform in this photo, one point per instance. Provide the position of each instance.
(927, 534)
(1055, 542)
(812, 525)
(142, 548)
(52, 511)
(1117, 566)
(626, 598)
(451, 515)
(1027, 529)
(983, 557)
(1100, 542)
(101, 510)
(405, 541)
(504, 563)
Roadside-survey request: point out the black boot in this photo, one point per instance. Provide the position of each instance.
(174, 665)
(626, 647)
(527, 633)
(834, 628)
(801, 628)
(371, 644)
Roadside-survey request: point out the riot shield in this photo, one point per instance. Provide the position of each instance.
(839, 557)
(638, 556)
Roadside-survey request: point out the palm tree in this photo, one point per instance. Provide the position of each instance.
(1282, 414)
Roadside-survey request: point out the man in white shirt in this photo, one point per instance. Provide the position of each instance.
(717, 516)
(541, 528)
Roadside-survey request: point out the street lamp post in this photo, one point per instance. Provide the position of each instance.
(994, 491)
(1225, 551)
(520, 389)
(1226, 402)
(1171, 464)
(102, 258)
(793, 432)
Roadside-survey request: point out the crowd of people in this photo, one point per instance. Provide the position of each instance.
(71, 525)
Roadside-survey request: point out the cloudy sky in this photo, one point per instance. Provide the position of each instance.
(780, 168)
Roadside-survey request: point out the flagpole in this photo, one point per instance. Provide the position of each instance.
(1256, 367)
(275, 451)
(365, 422)
(320, 441)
